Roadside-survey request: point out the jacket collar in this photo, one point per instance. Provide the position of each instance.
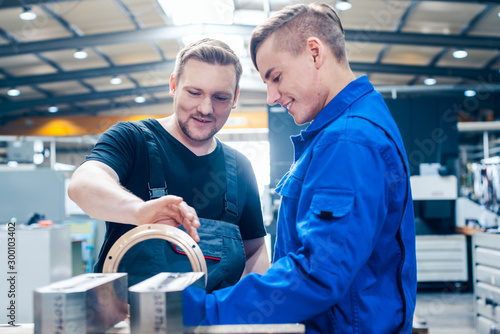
(339, 104)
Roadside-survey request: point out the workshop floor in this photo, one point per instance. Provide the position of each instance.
(446, 312)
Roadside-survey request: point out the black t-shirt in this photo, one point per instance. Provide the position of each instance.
(199, 180)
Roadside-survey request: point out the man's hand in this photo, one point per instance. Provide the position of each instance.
(169, 210)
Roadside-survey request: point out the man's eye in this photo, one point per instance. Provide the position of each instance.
(221, 98)
(193, 93)
(277, 79)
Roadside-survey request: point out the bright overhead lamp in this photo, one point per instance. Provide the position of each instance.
(498, 14)
(115, 81)
(38, 158)
(198, 11)
(459, 54)
(470, 93)
(80, 54)
(430, 81)
(343, 5)
(53, 109)
(13, 92)
(140, 99)
(27, 15)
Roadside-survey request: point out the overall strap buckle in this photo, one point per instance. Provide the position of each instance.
(155, 193)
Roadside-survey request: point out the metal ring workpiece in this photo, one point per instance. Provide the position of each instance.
(155, 231)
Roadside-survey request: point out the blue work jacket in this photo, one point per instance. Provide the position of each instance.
(345, 250)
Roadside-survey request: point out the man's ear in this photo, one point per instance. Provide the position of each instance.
(236, 97)
(172, 84)
(315, 48)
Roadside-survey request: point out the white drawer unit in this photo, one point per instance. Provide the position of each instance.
(441, 258)
(486, 271)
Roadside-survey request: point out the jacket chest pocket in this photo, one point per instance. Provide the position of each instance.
(332, 203)
(290, 186)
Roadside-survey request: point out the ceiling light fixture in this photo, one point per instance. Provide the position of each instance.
(140, 99)
(27, 14)
(470, 93)
(115, 81)
(198, 11)
(13, 92)
(459, 54)
(343, 5)
(80, 54)
(430, 81)
(53, 109)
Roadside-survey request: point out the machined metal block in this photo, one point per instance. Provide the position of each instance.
(156, 303)
(84, 304)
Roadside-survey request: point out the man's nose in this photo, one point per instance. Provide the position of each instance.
(273, 95)
(205, 107)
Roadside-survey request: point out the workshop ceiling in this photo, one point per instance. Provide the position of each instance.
(398, 44)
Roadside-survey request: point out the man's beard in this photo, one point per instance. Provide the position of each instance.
(192, 134)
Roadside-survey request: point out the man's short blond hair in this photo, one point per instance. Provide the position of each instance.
(294, 24)
(211, 51)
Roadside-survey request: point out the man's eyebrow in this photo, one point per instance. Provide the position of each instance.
(268, 73)
(221, 92)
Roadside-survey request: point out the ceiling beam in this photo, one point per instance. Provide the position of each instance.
(140, 35)
(469, 73)
(87, 74)
(26, 3)
(62, 99)
(402, 38)
(491, 76)
(173, 32)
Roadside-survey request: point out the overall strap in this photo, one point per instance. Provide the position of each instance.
(231, 196)
(156, 183)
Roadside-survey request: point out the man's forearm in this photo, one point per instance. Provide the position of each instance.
(95, 188)
(257, 258)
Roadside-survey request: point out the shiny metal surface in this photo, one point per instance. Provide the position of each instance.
(254, 329)
(89, 303)
(156, 303)
(155, 231)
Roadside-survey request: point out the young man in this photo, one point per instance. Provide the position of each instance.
(345, 251)
(131, 176)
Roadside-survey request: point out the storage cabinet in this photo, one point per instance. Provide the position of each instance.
(486, 272)
(441, 258)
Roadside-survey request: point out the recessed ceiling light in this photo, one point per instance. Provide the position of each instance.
(470, 93)
(430, 81)
(53, 109)
(459, 54)
(140, 99)
(343, 5)
(115, 81)
(13, 92)
(27, 15)
(80, 54)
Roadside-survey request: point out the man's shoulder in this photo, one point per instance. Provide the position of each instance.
(241, 159)
(362, 125)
